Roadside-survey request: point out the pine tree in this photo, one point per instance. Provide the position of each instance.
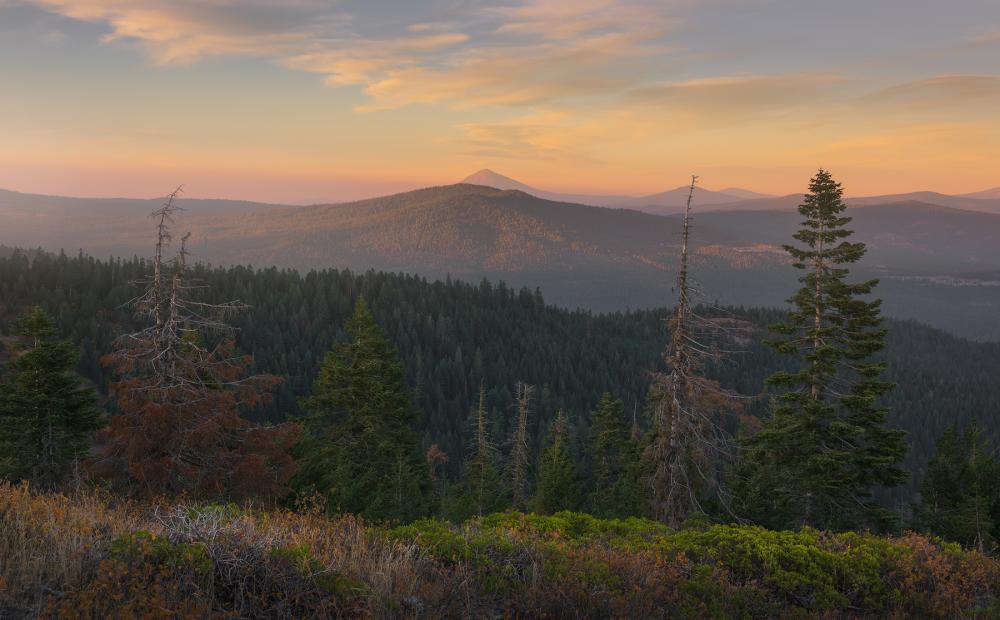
(825, 446)
(557, 478)
(961, 493)
(47, 417)
(612, 452)
(483, 489)
(360, 451)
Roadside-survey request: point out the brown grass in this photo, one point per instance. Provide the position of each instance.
(50, 544)
(91, 555)
(57, 558)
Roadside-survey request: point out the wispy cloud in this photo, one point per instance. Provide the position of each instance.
(536, 50)
(961, 89)
(943, 98)
(988, 37)
(545, 134)
(186, 31)
(560, 20)
(614, 91)
(744, 95)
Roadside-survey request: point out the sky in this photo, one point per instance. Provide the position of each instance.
(315, 100)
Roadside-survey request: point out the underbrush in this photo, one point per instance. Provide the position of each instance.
(93, 556)
(575, 565)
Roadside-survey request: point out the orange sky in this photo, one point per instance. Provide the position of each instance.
(297, 101)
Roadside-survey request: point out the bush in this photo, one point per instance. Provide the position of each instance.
(91, 556)
(589, 566)
(146, 576)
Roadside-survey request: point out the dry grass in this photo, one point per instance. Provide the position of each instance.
(91, 555)
(57, 553)
(50, 544)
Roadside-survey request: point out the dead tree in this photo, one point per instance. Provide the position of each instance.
(179, 387)
(688, 440)
(171, 351)
(519, 451)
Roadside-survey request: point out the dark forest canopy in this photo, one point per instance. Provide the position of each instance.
(452, 335)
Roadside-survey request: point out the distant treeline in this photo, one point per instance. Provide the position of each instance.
(454, 336)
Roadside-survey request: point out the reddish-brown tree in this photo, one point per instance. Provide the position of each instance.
(179, 391)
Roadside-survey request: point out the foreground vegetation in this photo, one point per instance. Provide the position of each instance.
(89, 556)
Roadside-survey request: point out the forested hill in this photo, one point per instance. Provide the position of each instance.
(937, 265)
(452, 336)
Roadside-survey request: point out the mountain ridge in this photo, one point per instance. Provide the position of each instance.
(583, 256)
(987, 194)
(660, 203)
(734, 198)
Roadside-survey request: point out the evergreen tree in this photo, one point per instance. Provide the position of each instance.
(557, 479)
(482, 492)
(360, 451)
(961, 492)
(825, 445)
(46, 416)
(293, 318)
(614, 455)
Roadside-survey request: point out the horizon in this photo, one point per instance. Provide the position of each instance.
(184, 194)
(305, 102)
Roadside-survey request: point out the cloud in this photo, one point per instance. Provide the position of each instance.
(957, 88)
(742, 95)
(561, 20)
(949, 147)
(524, 75)
(483, 53)
(991, 37)
(555, 134)
(185, 31)
(945, 98)
(542, 135)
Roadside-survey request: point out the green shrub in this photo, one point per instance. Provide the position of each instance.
(143, 545)
(145, 576)
(301, 558)
(597, 567)
(436, 537)
(803, 568)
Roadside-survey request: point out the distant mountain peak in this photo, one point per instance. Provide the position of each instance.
(490, 178)
(745, 194)
(988, 194)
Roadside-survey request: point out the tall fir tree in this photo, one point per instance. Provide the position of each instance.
(825, 446)
(960, 496)
(47, 417)
(614, 456)
(557, 487)
(359, 449)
